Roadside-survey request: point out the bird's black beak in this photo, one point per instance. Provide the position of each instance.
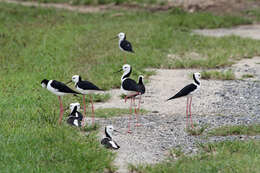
(116, 131)
(118, 71)
(69, 82)
(113, 38)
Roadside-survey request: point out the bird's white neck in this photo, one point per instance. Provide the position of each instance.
(108, 134)
(126, 74)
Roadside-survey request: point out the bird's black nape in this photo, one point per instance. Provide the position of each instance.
(45, 81)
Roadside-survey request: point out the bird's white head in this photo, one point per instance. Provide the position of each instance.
(197, 75)
(141, 77)
(109, 130)
(126, 67)
(75, 78)
(72, 106)
(121, 36)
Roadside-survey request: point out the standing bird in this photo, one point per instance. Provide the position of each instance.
(75, 117)
(141, 89)
(85, 87)
(124, 45)
(188, 91)
(108, 141)
(59, 89)
(129, 87)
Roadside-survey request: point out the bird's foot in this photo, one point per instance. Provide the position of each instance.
(129, 131)
(138, 125)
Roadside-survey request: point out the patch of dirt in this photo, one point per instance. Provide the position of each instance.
(247, 31)
(215, 6)
(248, 67)
(165, 84)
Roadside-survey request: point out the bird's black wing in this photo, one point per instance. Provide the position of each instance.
(184, 91)
(130, 85)
(126, 46)
(86, 85)
(107, 142)
(141, 86)
(62, 87)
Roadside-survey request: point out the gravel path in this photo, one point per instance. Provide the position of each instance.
(218, 103)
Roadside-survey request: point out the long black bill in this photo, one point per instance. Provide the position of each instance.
(117, 131)
(118, 71)
(113, 38)
(69, 82)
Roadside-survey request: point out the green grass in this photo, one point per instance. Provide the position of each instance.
(247, 76)
(196, 131)
(113, 112)
(219, 75)
(236, 130)
(228, 157)
(43, 43)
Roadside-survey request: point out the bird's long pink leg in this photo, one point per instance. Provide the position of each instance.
(190, 113)
(129, 131)
(137, 124)
(61, 110)
(84, 104)
(187, 112)
(93, 113)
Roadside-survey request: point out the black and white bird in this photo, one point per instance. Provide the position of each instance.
(130, 88)
(188, 91)
(85, 87)
(59, 89)
(124, 45)
(141, 89)
(75, 117)
(108, 141)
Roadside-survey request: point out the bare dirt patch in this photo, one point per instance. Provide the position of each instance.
(247, 31)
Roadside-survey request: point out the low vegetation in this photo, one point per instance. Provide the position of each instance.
(218, 75)
(196, 131)
(236, 130)
(218, 157)
(247, 76)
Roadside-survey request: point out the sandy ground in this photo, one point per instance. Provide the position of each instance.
(247, 31)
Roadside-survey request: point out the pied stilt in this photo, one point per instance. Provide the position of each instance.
(130, 88)
(75, 117)
(124, 45)
(188, 91)
(85, 87)
(108, 141)
(59, 89)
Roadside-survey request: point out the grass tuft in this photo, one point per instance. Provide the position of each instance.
(236, 130)
(213, 157)
(247, 76)
(223, 75)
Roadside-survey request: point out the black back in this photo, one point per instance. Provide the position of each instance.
(61, 87)
(141, 86)
(71, 120)
(125, 45)
(184, 91)
(86, 85)
(106, 142)
(130, 85)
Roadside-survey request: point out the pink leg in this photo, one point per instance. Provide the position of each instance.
(190, 113)
(61, 110)
(187, 112)
(84, 104)
(129, 131)
(93, 113)
(137, 124)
